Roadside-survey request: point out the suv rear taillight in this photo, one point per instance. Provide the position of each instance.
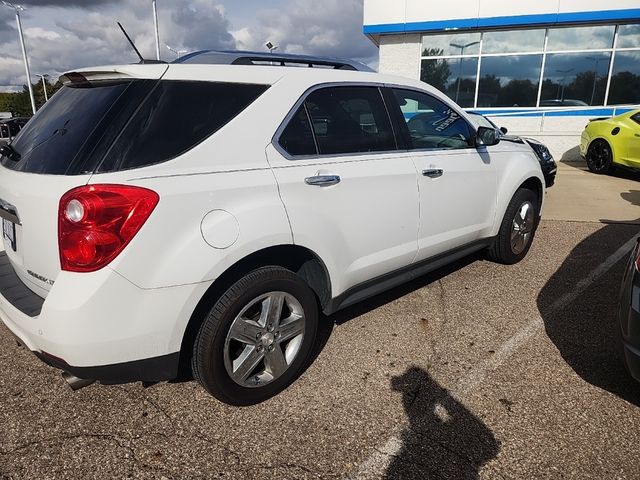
(96, 222)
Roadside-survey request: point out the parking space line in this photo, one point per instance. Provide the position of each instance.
(378, 462)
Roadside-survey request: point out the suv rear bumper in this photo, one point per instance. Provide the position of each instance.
(82, 330)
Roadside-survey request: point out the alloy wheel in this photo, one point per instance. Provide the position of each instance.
(264, 339)
(522, 227)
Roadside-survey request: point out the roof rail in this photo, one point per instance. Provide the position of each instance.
(228, 57)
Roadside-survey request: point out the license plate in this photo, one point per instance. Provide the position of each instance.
(9, 232)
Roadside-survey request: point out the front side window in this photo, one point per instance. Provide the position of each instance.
(349, 120)
(432, 124)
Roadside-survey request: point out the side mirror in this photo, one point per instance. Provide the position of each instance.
(487, 136)
(504, 130)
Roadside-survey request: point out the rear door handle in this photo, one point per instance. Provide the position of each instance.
(432, 172)
(322, 180)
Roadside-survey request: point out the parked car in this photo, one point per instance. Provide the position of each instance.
(133, 255)
(563, 102)
(10, 127)
(629, 314)
(547, 163)
(610, 142)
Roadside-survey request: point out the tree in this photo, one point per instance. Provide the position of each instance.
(435, 72)
(19, 103)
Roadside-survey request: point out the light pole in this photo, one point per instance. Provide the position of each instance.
(44, 84)
(595, 77)
(18, 9)
(178, 53)
(461, 47)
(155, 24)
(564, 77)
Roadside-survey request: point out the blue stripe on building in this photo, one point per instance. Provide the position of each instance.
(547, 19)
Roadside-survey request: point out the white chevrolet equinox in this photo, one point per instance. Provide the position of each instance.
(199, 217)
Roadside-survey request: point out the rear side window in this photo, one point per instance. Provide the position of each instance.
(111, 126)
(176, 117)
(636, 117)
(350, 120)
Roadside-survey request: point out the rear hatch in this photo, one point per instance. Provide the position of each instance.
(57, 150)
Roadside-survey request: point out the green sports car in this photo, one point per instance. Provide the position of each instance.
(607, 142)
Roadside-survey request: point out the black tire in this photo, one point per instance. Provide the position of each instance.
(600, 157)
(503, 250)
(212, 344)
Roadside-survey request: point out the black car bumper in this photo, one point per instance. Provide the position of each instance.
(154, 369)
(629, 316)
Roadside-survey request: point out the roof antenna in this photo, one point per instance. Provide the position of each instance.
(142, 59)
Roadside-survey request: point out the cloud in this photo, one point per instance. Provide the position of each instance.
(78, 39)
(329, 28)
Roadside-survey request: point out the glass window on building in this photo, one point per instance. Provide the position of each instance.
(451, 44)
(625, 79)
(628, 36)
(454, 76)
(509, 81)
(580, 38)
(575, 79)
(513, 41)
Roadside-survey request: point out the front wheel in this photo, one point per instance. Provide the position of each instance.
(517, 229)
(600, 157)
(257, 338)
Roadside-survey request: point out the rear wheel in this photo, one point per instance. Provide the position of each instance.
(257, 338)
(517, 229)
(600, 157)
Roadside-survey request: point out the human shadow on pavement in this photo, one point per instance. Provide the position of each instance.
(443, 439)
(583, 326)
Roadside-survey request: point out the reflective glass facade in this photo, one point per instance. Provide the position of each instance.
(537, 67)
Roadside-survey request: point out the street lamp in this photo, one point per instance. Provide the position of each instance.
(461, 47)
(155, 24)
(595, 77)
(271, 47)
(18, 9)
(178, 53)
(44, 84)
(564, 77)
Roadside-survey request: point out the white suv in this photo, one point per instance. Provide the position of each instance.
(161, 220)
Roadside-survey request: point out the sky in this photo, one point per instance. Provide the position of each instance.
(61, 35)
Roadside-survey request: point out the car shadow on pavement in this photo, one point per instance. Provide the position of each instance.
(584, 327)
(443, 438)
(326, 324)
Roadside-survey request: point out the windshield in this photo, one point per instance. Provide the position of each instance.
(50, 142)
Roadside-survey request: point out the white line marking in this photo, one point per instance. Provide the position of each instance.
(379, 461)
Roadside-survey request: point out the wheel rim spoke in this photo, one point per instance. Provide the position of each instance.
(246, 363)
(291, 327)
(275, 361)
(245, 331)
(272, 310)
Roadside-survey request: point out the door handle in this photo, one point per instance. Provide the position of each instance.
(322, 180)
(432, 172)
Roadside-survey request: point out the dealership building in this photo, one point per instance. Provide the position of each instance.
(542, 66)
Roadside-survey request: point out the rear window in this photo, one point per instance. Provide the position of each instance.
(105, 127)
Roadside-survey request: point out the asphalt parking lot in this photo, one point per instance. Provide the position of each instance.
(476, 371)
